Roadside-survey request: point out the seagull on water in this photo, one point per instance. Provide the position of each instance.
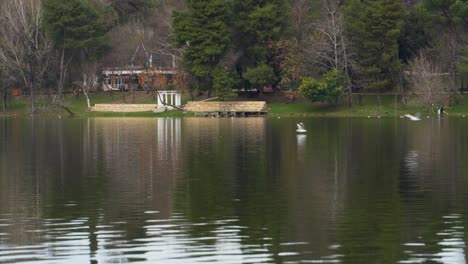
(300, 128)
(413, 117)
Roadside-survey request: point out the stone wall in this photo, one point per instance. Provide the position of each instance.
(124, 108)
(254, 106)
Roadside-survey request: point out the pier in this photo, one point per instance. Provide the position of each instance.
(227, 109)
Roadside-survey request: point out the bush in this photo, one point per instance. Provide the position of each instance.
(328, 88)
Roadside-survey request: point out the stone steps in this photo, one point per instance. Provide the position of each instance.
(235, 107)
(124, 108)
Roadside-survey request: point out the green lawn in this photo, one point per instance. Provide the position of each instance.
(370, 105)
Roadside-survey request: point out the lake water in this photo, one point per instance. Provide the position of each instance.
(202, 190)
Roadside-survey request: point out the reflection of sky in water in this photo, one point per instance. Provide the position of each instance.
(451, 245)
(164, 241)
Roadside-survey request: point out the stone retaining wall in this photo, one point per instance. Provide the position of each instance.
(245, 107)
(124, 108)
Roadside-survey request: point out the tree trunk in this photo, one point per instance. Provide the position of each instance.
(350, 97)
(61, 77)
(87, 98)
(453, 84)
(4, 96)
(462, 85)
(31, 93)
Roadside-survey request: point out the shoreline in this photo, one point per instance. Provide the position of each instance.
(384, 106)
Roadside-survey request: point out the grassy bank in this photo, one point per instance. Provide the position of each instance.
(20, 105)
(370, 105)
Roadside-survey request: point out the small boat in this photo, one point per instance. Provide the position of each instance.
(300, 128)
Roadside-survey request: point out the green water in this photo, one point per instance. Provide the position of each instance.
(247, 190)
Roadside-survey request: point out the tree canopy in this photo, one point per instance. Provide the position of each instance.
(74, 24)
(204, 32)
(374, 29)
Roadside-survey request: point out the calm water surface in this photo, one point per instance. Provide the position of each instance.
(196, 190)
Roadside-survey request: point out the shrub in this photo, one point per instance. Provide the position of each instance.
(328, 88)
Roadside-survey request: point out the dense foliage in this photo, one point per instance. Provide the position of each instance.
(328, 88)
(204, 31)
(218, 45)
(374, 29)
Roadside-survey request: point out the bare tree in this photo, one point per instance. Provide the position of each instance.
(3, 86)
(155, 34)
(24, 49)
(427, 79)
(90, 79)
(300, 19)
(449, 47)
(328, 43)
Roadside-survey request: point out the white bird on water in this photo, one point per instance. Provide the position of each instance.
(413, 117)
(300, 128)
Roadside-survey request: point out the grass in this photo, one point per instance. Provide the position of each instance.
(77, 104)
(459, 109)
(371, 105)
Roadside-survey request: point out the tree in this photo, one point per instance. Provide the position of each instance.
(287, 58)
(373, 28)
(90, 78)
(426, 78)
(301, 17)
(450, 17)
(256, 23)
(3, 87)
(24, 49)
(328, 88)
(414, 35)
(76, 29)
(203, 29)
(463, 66)
(260, 76)
(132, 8)
(328, 46)
(222, 83)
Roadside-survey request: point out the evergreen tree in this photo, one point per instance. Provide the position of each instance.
(414, 35)
(222, 83)
(76, 29)
(374, 28)
(203, 29)
(260, 75)
(257, 23)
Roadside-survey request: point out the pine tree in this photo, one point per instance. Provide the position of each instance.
(374, 29)
(203, 29)
(256, 24)
(75, 27)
